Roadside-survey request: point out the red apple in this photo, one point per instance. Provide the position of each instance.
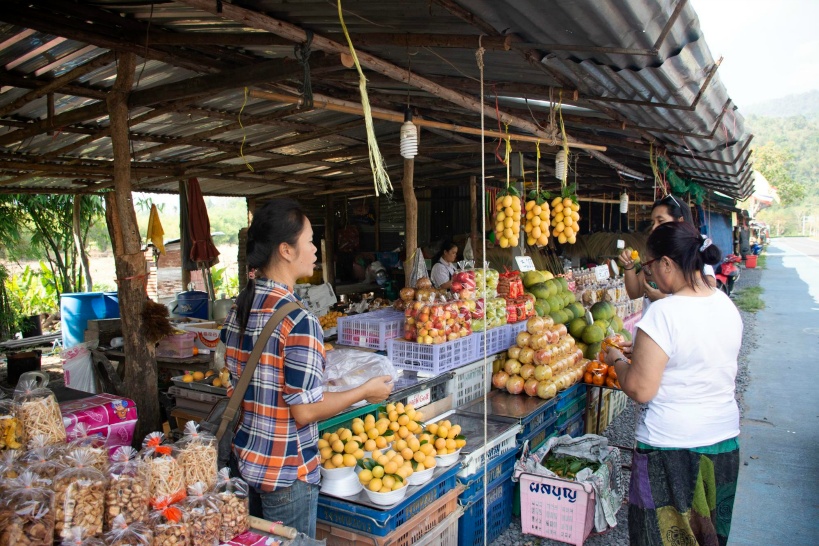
(530, 386)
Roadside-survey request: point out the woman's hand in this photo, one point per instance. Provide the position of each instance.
(626, 260)
(614, 353)
(378, 389)
(652, 293)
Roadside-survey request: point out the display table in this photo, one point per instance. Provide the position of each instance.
(196, 363)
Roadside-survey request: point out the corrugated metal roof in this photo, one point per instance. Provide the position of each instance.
(601, 49)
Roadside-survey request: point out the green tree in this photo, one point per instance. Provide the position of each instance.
(775, 164)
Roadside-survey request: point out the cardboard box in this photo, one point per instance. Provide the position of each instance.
(207, 335)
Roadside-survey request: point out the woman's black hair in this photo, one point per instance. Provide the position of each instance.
(278, 221)
(676, 206)
(446, 246)
(682, 243)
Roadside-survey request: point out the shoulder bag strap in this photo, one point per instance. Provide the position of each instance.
(250, 366)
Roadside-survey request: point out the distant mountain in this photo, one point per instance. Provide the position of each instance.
(803, 104)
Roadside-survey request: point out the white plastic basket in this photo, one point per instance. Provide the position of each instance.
(371, 330)
(497, 340)
(470, 383)
(434, 359)
(496, 447)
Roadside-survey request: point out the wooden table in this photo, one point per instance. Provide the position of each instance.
(196, 363)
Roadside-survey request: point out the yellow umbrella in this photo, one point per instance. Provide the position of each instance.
(155, 231)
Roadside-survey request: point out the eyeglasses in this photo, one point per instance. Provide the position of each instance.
(646, 266)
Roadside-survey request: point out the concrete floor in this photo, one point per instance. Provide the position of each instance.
(777, 500)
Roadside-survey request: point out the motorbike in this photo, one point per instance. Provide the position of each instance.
(727, 273)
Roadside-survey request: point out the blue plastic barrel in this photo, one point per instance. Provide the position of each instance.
(111, 304)
(192, 304)
(75, 311)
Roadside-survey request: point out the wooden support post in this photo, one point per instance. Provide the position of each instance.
(140, 377)
(411, 218)
(328, 250)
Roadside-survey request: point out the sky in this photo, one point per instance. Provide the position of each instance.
(771, 47)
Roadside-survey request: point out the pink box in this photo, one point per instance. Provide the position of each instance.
(562, 510)
(112, 417)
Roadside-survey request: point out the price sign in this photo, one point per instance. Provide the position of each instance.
(601, 272)
(525, 263)
(420, 399)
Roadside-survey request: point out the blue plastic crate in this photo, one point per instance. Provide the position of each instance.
(535, 420)
(538, 437)
(496, 470)
(382, 522)
(578, 405)
(499, 513)
(566, 397)
(573, 427)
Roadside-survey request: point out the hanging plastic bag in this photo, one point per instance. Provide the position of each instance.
(123, 534)
(206, 516)
(39, 411)
(347, 369)
(166, 477)
(128, 492)
(417, 267)
(79, 496)
(78, 367)
(10, 468)
(26, 513)
(233, 492)
(198, 456)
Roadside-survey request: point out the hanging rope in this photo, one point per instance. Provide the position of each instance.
(479, 58)
(378, 166)
(302, 53)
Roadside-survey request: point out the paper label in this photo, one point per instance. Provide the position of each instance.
(601, 272)
(525, 263)
(420, 399)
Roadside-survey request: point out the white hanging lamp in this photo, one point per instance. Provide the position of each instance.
(409, 137)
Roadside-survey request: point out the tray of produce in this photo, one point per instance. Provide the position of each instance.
(209, 381)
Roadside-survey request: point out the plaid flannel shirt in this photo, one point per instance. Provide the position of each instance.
(272, 450)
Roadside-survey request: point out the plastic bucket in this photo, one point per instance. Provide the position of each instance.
(20, 363)
(111, 304)
(192, 304)
(76, 310)
(750, 261)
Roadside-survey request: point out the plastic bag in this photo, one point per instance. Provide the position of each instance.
(26, 515)
(128, 492)
(78, 367)
(79, 495)
(166, 477)
(95, 444)
(347, 369)
(206, 516)
(171, 524)
(233, 492)
(38, 411)
(78, 536)
(122, 534)
(10, 468)
(198, 456)
(417, 267)
(11, 429)
(44, 461)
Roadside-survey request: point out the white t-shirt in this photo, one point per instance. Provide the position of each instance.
(441, 272)
(695, 405)
(707, 270)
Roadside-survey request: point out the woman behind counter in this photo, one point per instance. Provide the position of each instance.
(275, 443)
(444, 265)
(683, 368)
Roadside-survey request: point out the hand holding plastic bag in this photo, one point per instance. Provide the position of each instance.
(347, 369)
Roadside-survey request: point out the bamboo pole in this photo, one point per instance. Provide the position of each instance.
(348, 107)
(411, 215)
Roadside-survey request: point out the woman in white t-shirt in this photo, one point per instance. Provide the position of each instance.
(683, 369)
(667, 209)
(444, 265)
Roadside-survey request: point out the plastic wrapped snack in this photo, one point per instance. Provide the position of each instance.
(95, 444)
(166, 477)
(347, 369)
(198, 453)
(122, 534)
(11, 430)
(128, 492)
(38, 412)
(233, 492)
(26, 513)
(435, 323)
(77, 536)
(10, 467)
(79, 495)
(204, 509)
(170, 524)
(486, 278)
(45, 461)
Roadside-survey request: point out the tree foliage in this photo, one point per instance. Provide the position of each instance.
(776, 165)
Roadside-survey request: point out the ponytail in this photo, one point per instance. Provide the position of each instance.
(683, 244)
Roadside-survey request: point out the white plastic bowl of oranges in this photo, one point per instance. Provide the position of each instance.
(340, 451)
(384, 476)
(447, 440)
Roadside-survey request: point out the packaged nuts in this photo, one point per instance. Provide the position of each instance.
(128, 492)
(79, 496)
(27, 513)
(204, 509)
(95, 444)
(166, 478)
(10, 468)
(198, 456)
(122, 534)
(170, 525)
(46, 461)
(77, 536)
(38, 412)
(233, 492)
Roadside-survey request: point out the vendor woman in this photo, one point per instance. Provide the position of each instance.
(444, 267)
(275, 443)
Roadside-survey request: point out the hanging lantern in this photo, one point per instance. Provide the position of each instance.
(560, 165)
(409, 137)
(624, 203)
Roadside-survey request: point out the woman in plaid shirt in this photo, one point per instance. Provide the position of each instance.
(275, 444)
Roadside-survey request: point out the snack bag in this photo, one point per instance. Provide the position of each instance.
(166, 477)
(38, 412)
(27, 514)
(129, 488)
(198, 454)
(122, 534)
(206, 516)
(233, 492)
(79, 496)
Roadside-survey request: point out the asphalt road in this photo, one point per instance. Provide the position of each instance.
(777, 500)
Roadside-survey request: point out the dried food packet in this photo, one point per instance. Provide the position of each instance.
(95, 444)
(27, 513)
(170, 523)
(38, 412)
(45, 461)
(198, 455)
(78, 536)
(123, 534)
(11, 429)
(79, 496)
(129, 488)
(204, 509)
(166, 477)
(233, 492)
